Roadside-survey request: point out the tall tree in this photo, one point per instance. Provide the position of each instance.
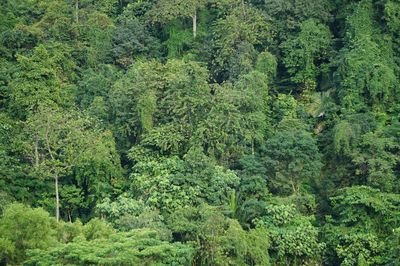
(59, 145)
(167, 10)
(304, 52)
(41, 78)
(234, 39)
(292, 158)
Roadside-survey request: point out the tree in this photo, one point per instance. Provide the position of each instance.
(303, 52)
(57, 22)
(365, 79)
(23, 228)
(367, 206)
(12, 171)
(287, 15)
(167, 10)
(97, 32)
(172, 183)
(169, 98)
(285, 106)
(221, 241)
(142, 80)
(136, 246)
(365, 71)
(126, 213)
(292, 159)
(41, 78)
(186, 94)
(253, 105)
(200, 132)
(365, 151)
(391, 15)
(234, 39)
(237, 121)
(132, 39)
(252, 192)
(364, 217)
(58, 146)
(294, 239)
(266, 63)
(375, 161)
(96, 83)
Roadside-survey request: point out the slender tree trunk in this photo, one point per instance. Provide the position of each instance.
(76, 11)
(56, 171)
(36, 152)
(194, 18)
(293, 186)
(57, 199)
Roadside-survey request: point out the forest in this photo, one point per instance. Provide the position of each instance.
(200, 132)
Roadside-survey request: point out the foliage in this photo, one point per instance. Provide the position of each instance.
(62, 147)
(126, 214)
(302, 52)
(137, 246)
(171, 183)
(40, 79)
(132, 39)
(365, 217)
(222, 240)
(199, 132)
(292, 159)
(23, 228)
(235, 36)
(294, 239)
(364, 68)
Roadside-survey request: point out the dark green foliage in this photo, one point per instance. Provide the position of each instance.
(235, 38)
(199, 132)
(302, 53)
(364, 219)
(132, 40)
(96, 83)
(366, 70)
(222, 240)
(286, 15)
(292, 159)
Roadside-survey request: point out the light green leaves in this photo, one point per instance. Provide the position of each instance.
(23, 228)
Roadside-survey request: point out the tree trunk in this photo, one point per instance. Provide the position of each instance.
(76, 11)
(294, 187)
(36, 152)
(194, 18)
(57, 199)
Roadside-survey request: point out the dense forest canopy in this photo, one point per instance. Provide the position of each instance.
(200, 132)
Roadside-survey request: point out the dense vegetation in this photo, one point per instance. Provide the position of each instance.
(200, 132)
